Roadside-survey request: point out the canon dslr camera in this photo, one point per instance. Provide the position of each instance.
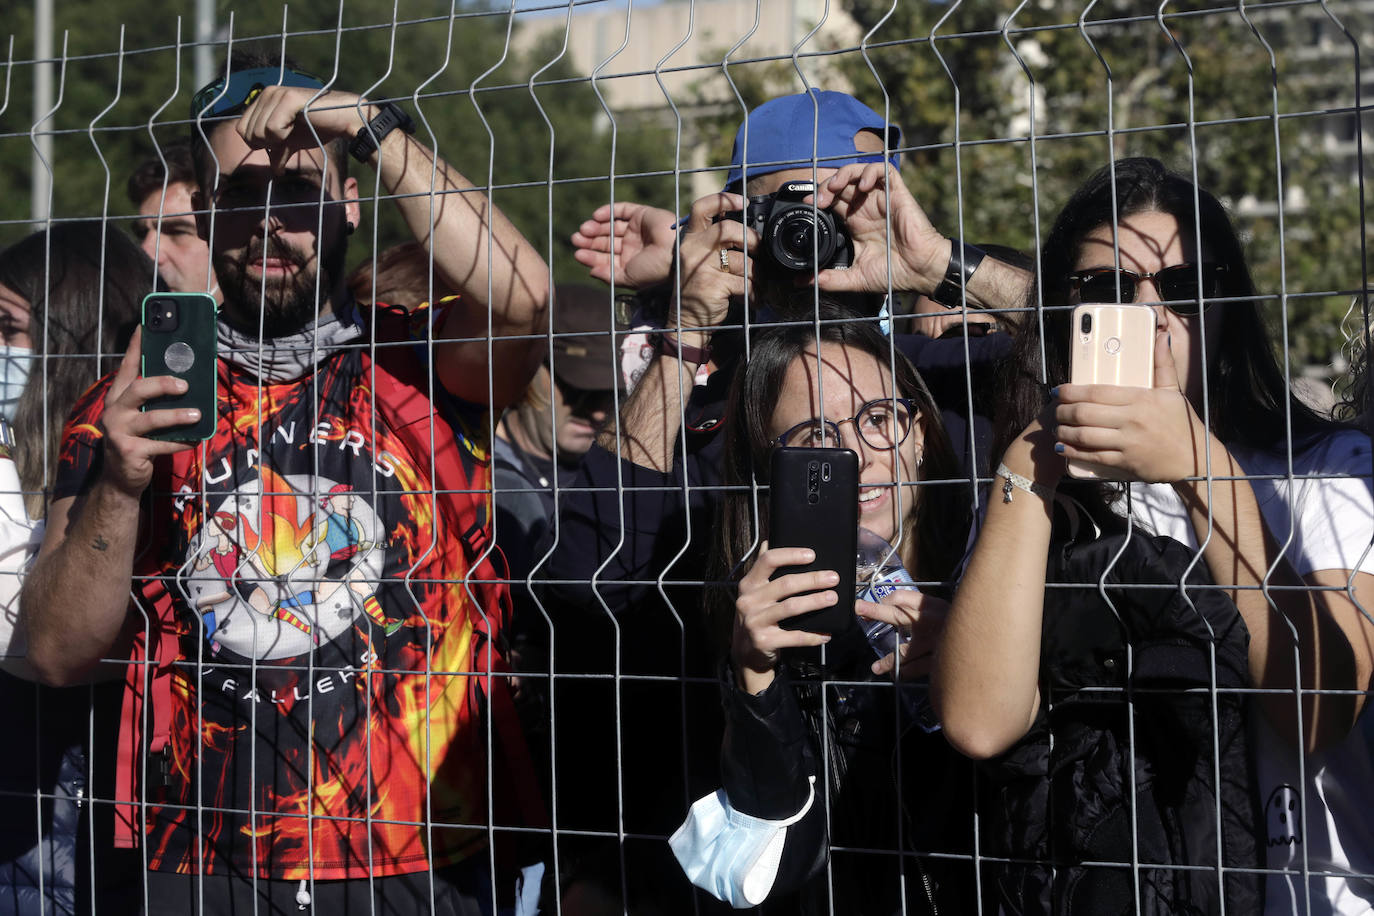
(795, 235)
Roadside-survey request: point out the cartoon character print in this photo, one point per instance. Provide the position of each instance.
(279, 570)
(1283, 818)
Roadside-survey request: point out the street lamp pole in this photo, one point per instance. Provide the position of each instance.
(42, 105)
(205, 33)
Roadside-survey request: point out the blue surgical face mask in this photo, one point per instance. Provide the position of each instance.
(730, 854)
(14, 375)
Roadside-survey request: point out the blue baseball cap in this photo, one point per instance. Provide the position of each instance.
(780, 134)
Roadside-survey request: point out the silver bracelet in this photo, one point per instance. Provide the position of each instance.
(1021, 483)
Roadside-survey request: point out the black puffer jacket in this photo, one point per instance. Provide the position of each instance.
(890, 787)
(1128, 714)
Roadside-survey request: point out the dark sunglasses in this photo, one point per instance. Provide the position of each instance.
(1178, 286)
(220, 99)
(582, 402)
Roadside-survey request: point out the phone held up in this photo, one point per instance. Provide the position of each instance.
(813, 501)
(1111, 345)
(179, 339)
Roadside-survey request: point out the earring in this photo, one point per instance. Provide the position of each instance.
(349, 228)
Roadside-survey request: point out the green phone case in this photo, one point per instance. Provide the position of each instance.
(189, 351)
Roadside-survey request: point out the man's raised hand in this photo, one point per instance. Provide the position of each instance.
(641, 236)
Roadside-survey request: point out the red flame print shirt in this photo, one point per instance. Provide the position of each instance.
(315, 561)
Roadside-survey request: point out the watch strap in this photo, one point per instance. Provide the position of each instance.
(670, 346)
(964, 259)
(390, 116)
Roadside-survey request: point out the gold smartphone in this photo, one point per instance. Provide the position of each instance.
(1111, 345)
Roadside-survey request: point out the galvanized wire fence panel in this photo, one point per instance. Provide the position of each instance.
(452, 601)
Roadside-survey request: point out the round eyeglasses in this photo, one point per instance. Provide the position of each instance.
(883, 423)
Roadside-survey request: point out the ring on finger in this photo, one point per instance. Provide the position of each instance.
(725, 260)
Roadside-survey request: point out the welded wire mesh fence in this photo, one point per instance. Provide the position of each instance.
(463, 599)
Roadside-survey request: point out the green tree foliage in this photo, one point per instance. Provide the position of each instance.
(1209, 69)
(465, 70)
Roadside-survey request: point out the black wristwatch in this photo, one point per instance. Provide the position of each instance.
(963, 261)
(390, 116)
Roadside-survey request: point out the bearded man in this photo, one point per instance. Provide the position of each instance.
(325, 737)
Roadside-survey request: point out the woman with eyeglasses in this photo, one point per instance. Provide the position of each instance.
(1103, 687)
(812, 730)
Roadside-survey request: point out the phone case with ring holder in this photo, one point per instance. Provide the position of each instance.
(179, 339)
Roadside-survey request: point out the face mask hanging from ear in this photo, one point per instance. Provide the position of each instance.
(14, 376)
(729, 854)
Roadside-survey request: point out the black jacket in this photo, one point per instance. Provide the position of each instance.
(883, 785)
(1122, 758)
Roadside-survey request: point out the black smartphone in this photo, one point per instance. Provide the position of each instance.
(813, 501)
(179, 339)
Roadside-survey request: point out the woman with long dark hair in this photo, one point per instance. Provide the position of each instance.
(821, 736)
(1105, 686)
(69, 301)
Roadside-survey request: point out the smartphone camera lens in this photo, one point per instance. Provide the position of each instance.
(1085, 324)
(163, 316)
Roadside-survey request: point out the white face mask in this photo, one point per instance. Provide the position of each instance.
(732, 855)
(14, 375)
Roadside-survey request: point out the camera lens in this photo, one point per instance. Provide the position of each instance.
(800, 238)
(1085, 324)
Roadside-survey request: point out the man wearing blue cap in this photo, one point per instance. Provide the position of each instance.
(778, 144)
(638, 514)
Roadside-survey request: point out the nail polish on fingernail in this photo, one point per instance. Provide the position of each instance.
(1059, 448)
(193, 414)
(1054, 392)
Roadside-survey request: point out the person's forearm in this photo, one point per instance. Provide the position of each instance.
(647, 429)
(1239, 554)
(986, 680)
(451, 219)
(76, 597)
(1000, 287)
(995, 285)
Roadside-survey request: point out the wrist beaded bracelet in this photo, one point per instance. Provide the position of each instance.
(1014, 480)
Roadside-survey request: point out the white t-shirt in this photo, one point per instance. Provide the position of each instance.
(1331, 518)
(20, 539)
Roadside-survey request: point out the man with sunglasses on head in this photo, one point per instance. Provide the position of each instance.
(310, 717)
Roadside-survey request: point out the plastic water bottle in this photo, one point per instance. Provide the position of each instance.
(879, 573)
